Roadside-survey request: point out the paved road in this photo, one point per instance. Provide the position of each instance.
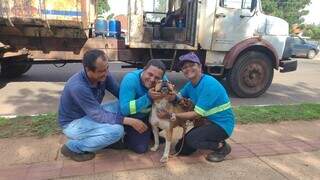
(39, 89)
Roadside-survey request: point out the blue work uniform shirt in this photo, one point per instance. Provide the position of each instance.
(211, 101)
(134, 97)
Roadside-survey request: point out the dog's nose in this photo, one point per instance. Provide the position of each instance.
(164, 90)
(164, 84)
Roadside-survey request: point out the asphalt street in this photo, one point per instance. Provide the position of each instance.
(38, 91)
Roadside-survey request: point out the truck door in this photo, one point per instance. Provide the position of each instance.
(162, 22)
(233, 22)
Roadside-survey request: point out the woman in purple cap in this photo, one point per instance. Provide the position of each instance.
(211, 102)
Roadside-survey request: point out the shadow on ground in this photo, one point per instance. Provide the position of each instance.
(35, 100)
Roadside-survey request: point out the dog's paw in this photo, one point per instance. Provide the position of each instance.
(164, 159)
(154, 148)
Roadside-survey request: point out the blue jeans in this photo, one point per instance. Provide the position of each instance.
(86, 135)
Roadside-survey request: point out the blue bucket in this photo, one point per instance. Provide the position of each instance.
(101, 27)
(114, 28)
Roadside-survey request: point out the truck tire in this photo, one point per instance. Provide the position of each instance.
(10, 70)
(311, 54)
(251, 75)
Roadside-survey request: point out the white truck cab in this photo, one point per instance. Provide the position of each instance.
(234, 38)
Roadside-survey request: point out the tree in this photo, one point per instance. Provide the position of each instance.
(290, 10)
(312, 31)
(160, 5)
(102, 6)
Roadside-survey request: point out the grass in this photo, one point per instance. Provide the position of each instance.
(23, 126)
(45, 125)
(277, 113)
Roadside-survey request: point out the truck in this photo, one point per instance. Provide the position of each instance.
(235, 40)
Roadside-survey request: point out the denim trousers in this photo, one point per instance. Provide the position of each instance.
(87, 135)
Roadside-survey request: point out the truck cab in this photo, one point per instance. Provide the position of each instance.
(234, 38)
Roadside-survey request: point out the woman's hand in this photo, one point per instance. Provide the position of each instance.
(163, 114)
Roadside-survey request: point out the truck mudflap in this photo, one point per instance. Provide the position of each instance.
(288, 65)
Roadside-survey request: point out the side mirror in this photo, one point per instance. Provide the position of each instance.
(253, 5)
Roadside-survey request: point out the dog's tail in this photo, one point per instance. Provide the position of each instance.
(182, 142)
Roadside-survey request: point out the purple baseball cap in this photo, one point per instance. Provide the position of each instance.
(190, 57)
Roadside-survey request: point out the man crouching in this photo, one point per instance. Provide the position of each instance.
(88, 125)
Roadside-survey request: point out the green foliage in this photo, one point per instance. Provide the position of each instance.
(312, 31)
(3, 121)
(110, 16)
(102, 6)
(290, 10)
(160, 6)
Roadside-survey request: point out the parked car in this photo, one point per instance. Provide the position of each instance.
(302, 48)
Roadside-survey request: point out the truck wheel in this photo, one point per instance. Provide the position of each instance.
(10, 70)
(251, 75)
(311, 54)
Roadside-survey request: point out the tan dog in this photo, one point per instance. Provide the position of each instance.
(184, 105)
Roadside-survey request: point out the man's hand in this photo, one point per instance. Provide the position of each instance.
(154, 94)
(137, 124)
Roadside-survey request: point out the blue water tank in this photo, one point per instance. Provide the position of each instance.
(114, 28)
(101, 27)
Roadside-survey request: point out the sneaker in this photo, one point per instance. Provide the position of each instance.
(79, 157)
(220, 154)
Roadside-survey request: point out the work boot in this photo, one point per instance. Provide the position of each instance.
(79, 157)
(220, 154)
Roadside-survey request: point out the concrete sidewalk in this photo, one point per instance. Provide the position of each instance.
(288, 150)
(293, 166)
